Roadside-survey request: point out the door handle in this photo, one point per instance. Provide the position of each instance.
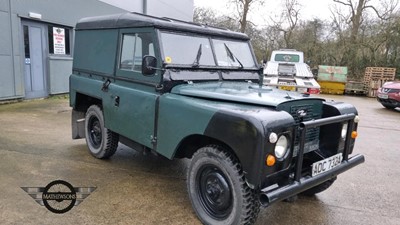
(105, 85)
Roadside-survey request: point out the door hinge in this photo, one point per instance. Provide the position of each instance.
(153, 139)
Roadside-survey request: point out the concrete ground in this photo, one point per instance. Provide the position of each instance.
(36, 148)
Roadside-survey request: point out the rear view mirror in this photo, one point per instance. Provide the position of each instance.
(149, 65)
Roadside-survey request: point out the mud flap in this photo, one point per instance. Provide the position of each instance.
(78, 124)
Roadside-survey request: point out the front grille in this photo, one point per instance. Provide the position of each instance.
(303, 110)
(302, 113)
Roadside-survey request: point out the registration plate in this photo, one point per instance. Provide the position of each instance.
(384, 96)
(326, 164)
(288, 88)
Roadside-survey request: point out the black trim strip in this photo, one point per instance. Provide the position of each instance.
(212, 68)
(89, 72)
(156, 113)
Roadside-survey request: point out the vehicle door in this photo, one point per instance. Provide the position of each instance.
(130, 102)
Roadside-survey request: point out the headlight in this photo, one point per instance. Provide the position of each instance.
(281, 147)
(344, 131)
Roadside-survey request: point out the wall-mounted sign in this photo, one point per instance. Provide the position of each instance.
(59, 40)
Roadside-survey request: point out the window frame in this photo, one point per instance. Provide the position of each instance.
(188, 34)
(249, 47)
(132, 74)
(211, 39)
(68, 44)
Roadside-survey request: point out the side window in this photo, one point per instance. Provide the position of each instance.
(126, 59)
(134, 47)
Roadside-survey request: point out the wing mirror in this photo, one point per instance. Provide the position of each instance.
(149, 65)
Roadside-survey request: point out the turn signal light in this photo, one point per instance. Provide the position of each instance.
(354, 134)
(270, 160)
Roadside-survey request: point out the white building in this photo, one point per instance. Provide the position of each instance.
(177, 9)
(36, 39)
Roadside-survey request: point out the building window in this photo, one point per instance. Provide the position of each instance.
(134, 47)
(26, 42)
(59, 40)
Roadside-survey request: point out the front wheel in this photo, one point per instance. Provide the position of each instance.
(217, 188)
(102, 142)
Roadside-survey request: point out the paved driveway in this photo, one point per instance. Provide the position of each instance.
(36, 148)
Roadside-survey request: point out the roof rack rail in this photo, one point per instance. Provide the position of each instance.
(192, 23)
(149, 16)
(180, 21)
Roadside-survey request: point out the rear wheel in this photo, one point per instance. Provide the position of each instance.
(217, 188)
(102, 142)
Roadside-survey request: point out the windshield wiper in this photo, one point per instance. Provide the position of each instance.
(197, 60)
(232, 56)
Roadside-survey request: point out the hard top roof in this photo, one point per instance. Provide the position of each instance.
(132, 20)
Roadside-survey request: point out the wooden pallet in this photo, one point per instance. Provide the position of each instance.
(374, 85)
(375, 77)
(380, 69)
(379, 73)
(372, 93)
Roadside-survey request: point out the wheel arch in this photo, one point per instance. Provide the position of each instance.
(81, 103)
(240, 135)
(84, 101)
(190, 144)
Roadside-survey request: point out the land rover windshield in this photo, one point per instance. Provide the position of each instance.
(200, 51)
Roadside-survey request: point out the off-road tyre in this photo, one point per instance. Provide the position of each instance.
(217, 188)
(319, 188)
(102, 143)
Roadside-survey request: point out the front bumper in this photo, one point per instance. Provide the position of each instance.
(306, 183)
(299, 183)
(389, 101)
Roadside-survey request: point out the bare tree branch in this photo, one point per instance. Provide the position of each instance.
(344, 3)
(243, 8)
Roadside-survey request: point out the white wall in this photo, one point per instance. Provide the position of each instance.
(128, 5)
(178, 9)
(12, 60)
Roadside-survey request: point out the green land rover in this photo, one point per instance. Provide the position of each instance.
(185, 90)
